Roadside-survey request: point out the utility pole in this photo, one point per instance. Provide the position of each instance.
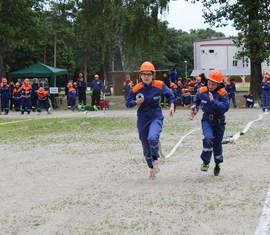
(185, 69)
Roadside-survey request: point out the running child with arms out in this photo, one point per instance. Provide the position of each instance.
(146, 96)
(215, 103)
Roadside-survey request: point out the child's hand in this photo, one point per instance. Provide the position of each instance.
(139, 101)
(171, 110)
(210, 96)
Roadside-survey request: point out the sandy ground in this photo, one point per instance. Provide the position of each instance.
(103, 188)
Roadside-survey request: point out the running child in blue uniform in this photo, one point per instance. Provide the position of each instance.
(146, 95)
(215, 103)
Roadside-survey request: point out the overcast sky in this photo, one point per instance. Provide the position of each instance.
(185, 16)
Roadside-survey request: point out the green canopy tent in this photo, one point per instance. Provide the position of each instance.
(39, 70)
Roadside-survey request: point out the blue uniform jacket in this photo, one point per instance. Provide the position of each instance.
(265, 86)
(97, 85)
(5, 91)
(230, 88)
(218, 106)
(152, 94)
(197, 87)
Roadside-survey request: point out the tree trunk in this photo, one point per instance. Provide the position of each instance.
(45, 54)
(256, 79)
(54, 54)
(85, 63)
(2, 67)
(255, 48)
(122, 54)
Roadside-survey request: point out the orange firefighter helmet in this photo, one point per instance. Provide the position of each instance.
(215, 76)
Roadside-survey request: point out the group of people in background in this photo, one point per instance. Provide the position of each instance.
(23, 96)
(185, 90)
(78, 89)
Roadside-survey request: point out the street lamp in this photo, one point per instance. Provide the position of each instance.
(185, 69)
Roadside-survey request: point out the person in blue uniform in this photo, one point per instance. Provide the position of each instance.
(249, 100)
(265, 92)
(16, 96)
(5, 94)
(231, 90)
(198, 84)
(214, 104)
(26, 92)
(72, 94)
(96, 87)
(81, 87)
(146, 96)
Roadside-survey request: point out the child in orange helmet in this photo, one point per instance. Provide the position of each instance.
(72, 94)
(16, 96)
(214, 101)
(146, 96)
(26, 92)
(43, 100)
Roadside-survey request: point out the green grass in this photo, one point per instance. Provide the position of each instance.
(243, 89)
(36, 129)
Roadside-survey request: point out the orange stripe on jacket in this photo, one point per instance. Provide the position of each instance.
(137, 87)
(203, 89)
(222, 92)
(158, 84)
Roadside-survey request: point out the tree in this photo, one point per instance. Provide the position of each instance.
(14, 35)
(252, 20)
(123, 26)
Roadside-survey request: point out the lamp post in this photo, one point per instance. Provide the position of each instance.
(185, 69)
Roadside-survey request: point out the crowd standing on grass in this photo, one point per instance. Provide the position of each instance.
(146, 96)
(22, 97)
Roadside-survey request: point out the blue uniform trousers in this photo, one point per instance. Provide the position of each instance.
(149, 133)
(265, 100)
(212, 142)
(232, 97)
(26, 104)
(44, 103)
(17, 104)
(5, 103)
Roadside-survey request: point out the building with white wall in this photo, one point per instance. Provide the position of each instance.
(220, 53)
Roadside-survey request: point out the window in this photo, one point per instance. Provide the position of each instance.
(211, 51)
(247, 62)
(235, 63)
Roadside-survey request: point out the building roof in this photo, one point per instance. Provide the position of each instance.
(225, 72)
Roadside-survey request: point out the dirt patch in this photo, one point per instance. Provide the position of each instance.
(103, 187)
